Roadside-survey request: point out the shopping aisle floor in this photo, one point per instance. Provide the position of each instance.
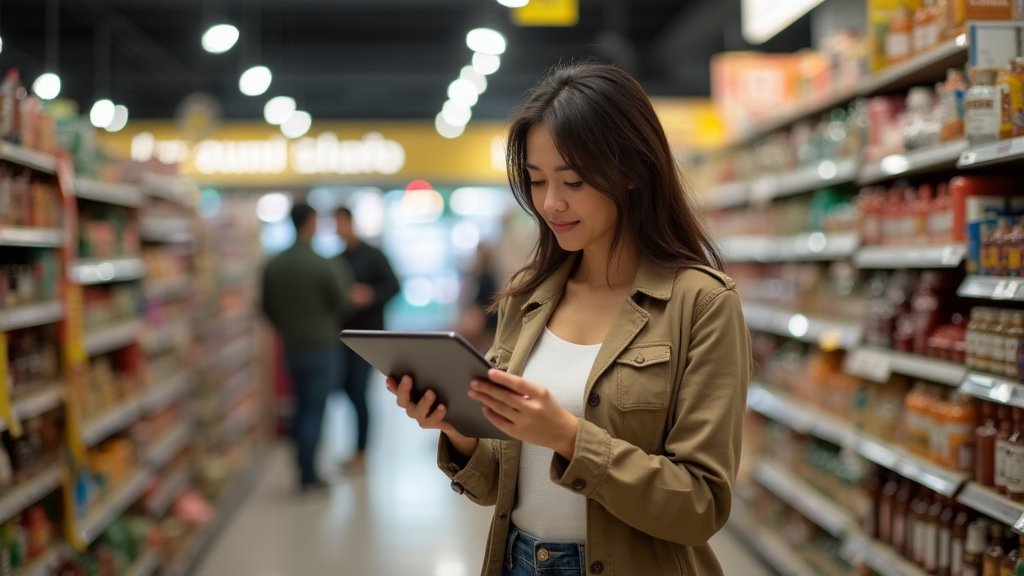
(400, 519)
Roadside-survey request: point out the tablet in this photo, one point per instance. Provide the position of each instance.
(440, 361)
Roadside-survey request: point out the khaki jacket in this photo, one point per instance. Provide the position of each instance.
(658, 448)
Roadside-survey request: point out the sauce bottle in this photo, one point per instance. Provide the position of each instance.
(945, 523)
(887, 508)
(902, 519)
(931, 536)
(1004, 421)
(922, 531)
(985, 446)
(957, 549)
(1012, 555)
(1011, 344)
(1018, 570)
(983, 108)
(993, 560)
(961, 421)
(1015, 458)
(974, 548)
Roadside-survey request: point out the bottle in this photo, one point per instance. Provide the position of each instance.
(1018, 570)
(951, 114)
(899, 42)
(932, 537)
(1017, 106)
(1015, 458)
(983, 108)
(1010, 82)
(918, 116)
(961, 420)
(1004, 421)
(945, 544)
(922, 531)
(957, 548)
(902, 519)
(940, 220)
(925, 304)
(886, 509)
(985, 446)
(972, 351)
(926, 27)
(999, 331)
(1011, 341)
(993, 561)
(974, 548)
(1012, 555)
(917, 408)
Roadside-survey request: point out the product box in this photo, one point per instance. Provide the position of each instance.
(989, 9)
(994, 44)
(978, 200)
(880, 13)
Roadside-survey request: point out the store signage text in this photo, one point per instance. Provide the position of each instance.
(324, 154)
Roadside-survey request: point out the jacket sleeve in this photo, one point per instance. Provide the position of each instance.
(685, 495)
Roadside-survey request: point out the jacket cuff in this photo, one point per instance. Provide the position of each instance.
(471, 476)
(590, 462)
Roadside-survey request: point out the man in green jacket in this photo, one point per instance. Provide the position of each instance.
(303, 297)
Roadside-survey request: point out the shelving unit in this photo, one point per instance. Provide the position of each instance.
(901, 257)
(914, 162)
(31, 315)
(1001, 153)
(877, 364)
(30, 490)
(825, 332)
(113, 506)
(768, 544)
(30, 237)
(801, 247)
(31, 404)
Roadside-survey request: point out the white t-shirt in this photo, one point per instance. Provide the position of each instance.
(545, 509)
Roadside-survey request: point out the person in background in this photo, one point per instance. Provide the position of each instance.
(303, 295)
(375, 285)
(477, 321)
(621, 357)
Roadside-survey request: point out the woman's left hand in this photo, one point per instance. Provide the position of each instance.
(526, 411)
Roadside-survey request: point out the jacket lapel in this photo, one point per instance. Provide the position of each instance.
(537, 310)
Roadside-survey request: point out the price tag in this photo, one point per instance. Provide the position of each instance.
(6, 410)
(869, 364)
(1006, 290)
(968, 158)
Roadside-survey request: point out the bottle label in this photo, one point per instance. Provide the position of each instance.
(930, 534)
(941, 223)
(945, 545)
(982, 116)
(897, 45)
(956, 558)
(1001, 463)
(1014, 468)
(1010, 351)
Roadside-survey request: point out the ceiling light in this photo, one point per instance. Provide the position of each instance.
(120, 119)
(478, 79)
(255, 81)
(513, 3)
(102, 113)
(47, 86)
(455, 113)
(220, 38)
(447, 129)
(278, 109)
(485, 41)
(486, 63)
(297, 124)
(463, 91)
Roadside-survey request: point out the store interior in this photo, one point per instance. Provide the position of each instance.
(860, 164)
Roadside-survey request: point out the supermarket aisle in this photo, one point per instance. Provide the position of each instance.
(401, 519)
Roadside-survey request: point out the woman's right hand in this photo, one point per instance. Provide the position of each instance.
(422, 413)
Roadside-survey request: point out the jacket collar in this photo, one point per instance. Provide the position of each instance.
(650, 281)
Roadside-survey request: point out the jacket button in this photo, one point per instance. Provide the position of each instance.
(640, 359)
(579, 484)
(454, 468)
(458, 488)
(596, 567)
(594, 399)
(502, 516)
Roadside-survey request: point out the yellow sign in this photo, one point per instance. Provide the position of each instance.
(547, 13)
(6, 410)
(256, 154)
(690, 123)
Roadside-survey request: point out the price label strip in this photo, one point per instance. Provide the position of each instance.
(869, 364)
(6, 409)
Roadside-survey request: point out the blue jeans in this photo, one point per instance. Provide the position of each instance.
(312, 374)
(355, 372)
(527, 556)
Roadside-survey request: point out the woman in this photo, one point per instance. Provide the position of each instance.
(622, 358)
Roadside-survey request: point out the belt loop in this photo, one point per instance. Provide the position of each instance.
(513, 534)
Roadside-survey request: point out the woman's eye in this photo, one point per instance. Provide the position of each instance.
(574, 185)
(536, 183)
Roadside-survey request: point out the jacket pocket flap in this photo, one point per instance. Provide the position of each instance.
(640, 356)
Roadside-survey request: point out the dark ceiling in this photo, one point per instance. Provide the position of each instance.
(348, 59)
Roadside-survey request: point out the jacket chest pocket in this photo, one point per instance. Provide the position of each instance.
(500, 357)
(642, 389)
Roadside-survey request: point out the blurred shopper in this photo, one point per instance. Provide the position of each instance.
(622, 355)
(303, 296)
(375, 285)
(477, 322)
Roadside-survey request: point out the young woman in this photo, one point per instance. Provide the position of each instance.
(621, 354)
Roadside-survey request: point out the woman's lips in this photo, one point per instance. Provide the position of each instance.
(560, 227)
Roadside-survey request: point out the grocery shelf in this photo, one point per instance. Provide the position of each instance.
(125, 195)
(993, 388)
(804, 110)
(238, 385)
(158, 339)
(768, 544)
(815, 246)
(237, 425)
(113, 506)
(862, 550)
(113, 337)
(996, 153)
(113, 420)
(992, 288)
(31, 237)
(31, 315)
(31, 490)
(91, 272)
(160, 395)
(34, 159)
(805, 179)
(167, 187)
(807, 419)
(166, 230)
(729, 195)
(168, 492)
(36, 402)
(827, 333)
(989, 502)
(46, 564)
(803, 498)
(927, 68)
(164, 290)
(877, 364)
(899, 257)
(168, 446)
(233, 355)
(937, 158)
(145, 565)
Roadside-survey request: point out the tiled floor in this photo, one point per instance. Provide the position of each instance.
(400, 519)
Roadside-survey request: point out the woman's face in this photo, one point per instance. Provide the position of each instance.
(580, 216)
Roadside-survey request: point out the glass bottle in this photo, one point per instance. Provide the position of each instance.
(985, 446)
(921, 533)
(1004, 421)
(982, 107)
(993, 561)
(1014, 463)
(952, 106)
(974, 548)
(945, 523)
(887, 509)
(1011, 344)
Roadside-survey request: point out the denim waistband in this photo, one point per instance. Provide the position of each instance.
(543, 557)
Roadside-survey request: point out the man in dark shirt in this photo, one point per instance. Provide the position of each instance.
(303, 296)
(376, 284)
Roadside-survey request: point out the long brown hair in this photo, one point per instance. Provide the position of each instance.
(607, 132)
